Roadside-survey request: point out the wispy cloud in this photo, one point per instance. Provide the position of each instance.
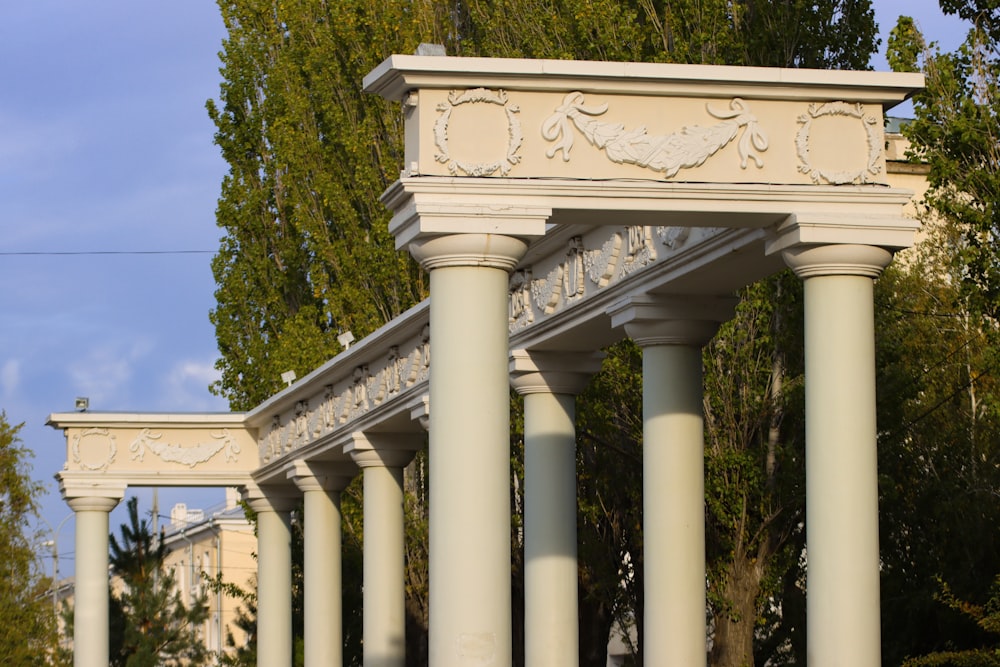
(105, 373)
(10, 377)
(186, 388)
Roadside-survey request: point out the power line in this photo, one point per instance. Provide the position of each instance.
(50, 253)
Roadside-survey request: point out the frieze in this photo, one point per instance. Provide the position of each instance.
(687, 148)
(621, 253)
(189, 455)
(367, 387)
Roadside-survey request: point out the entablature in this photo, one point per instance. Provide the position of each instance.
(542, 119)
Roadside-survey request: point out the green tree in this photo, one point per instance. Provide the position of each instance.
(938, 455)
(957, 133)
(305, 254)
(986, 617)
(150, 624)
(27, 631)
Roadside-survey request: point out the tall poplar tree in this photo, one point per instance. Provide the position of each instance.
(305, 254)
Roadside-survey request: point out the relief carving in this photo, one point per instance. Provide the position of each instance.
(301, 424)
(640, 249)
(521, 314)
(602, 264)
(189, 455)
(673, 237)
(546, 291)
(359, 394)
(865, 174)
(514, 135)
(100, 439)
(669, 153)
(573, 283)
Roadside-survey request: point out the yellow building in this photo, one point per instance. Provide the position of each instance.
(202, 545)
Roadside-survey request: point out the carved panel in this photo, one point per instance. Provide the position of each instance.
(866, 173)
(366, 387)
(472, 97)
(189, 455)
(687, 148)
(94, 449)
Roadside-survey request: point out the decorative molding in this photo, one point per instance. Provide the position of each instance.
(548, 290)
(601, 264)
(514, 134)
(670, 153)
(584, 270)
(189, 455)
(92, 434)
(640, 251)
(573, 282)
(673, 237)
(870, 124)
(368, 386)
(519, 287)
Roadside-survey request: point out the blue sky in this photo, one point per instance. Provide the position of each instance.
(105, 146)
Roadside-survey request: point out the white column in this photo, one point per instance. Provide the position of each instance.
(469, 460)
(671, 332)
(274, 574)
(321, 484)
(549, 383)
(384, 547)
(842, 603)
(90, 607)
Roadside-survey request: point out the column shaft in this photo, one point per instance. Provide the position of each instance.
(323, 623)
(470, 604)
(384, 568)
(551, 623)
(673, 506)
(274, 587)
(841, 473)
(90, 608)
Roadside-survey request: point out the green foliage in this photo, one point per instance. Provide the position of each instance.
(306, 254)
(985, 616)
(794, 33)
(27, 616)
(957, 132)
(938, 449)
(906, 46)
(150, 624)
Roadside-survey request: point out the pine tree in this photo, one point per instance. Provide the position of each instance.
(150, 625)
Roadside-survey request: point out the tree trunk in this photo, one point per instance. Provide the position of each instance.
(732, 643)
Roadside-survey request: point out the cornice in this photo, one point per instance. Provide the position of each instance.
(396, 76)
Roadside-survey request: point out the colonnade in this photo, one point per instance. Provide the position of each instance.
(470, 566)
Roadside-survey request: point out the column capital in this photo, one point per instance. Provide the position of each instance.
(92, 503)
(270, 498)
(482, 250)
(80, 488)
(841, 259)
(421, 215)
(671, 319)
(535, 372)
(389, 450)
(321, 475)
